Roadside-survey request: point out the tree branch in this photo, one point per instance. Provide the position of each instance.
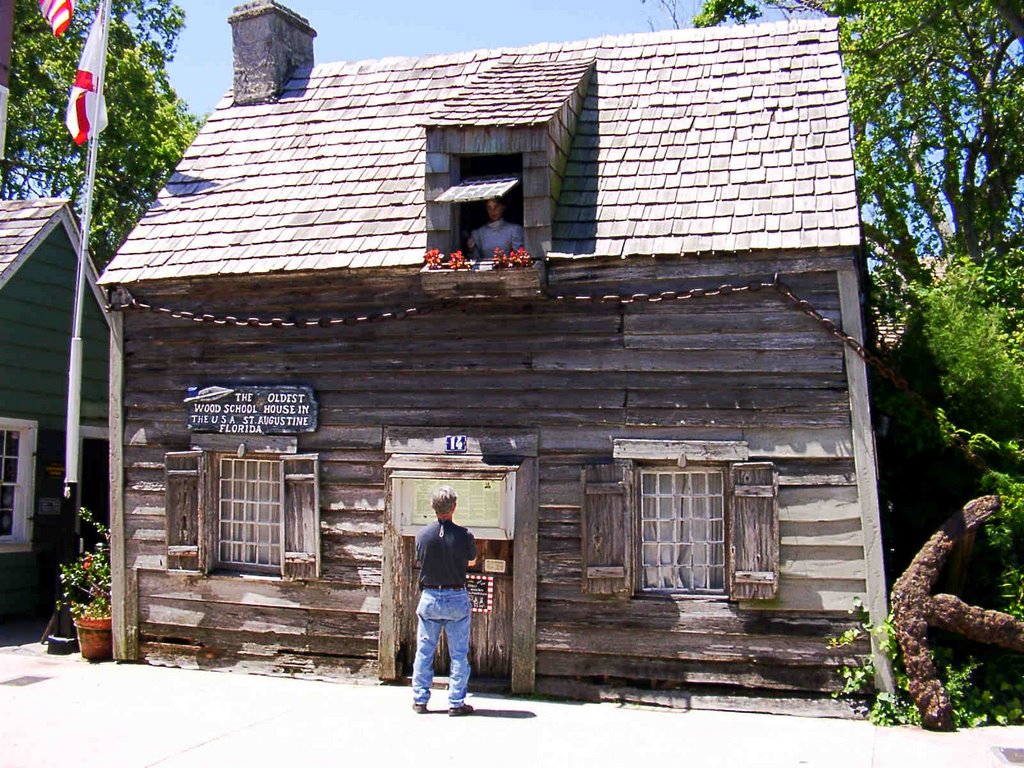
(1013, 18)
(907, 33)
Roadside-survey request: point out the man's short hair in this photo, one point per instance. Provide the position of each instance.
(443, 500)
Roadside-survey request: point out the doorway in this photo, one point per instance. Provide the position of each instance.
(498, 503)
(490, 634)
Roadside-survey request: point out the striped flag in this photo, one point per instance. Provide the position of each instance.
(58, 13)
(87, 112)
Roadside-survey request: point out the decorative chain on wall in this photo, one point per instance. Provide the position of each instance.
(355, 319)
(873, 360)
(776, 284)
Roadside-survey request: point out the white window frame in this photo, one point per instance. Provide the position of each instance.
(403, 496)
(219, 564)
(24, 495)
(654, 470)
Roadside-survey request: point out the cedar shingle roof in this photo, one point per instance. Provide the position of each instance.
(25, 224)
(690, 141)
(20, 221)
(524, 90)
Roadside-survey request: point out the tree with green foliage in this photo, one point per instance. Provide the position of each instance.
(936, 93)
(149, 126)
(935, 90)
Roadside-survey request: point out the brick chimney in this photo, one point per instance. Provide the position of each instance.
(269, 42)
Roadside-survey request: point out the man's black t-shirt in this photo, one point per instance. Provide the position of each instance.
(444, 549)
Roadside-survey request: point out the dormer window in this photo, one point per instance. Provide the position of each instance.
(475, 149)
(482, 178)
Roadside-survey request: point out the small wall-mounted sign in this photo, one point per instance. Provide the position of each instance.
(48, 505)
(481, 592)
(454, 443)
(494, 566)
(245, 410)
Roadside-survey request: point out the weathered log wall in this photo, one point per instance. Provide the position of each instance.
(743, 366)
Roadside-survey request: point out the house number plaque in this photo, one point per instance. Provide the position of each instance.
(454, 443)
(245, 410)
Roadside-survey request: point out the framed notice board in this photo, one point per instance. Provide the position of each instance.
(486, 505)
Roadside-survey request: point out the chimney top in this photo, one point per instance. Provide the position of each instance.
(269, 42)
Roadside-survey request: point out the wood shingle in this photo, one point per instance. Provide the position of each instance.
(676, 127)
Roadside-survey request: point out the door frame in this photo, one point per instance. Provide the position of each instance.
(425, 447)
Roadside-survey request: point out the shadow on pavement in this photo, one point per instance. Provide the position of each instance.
(509, 714)
(19, 632)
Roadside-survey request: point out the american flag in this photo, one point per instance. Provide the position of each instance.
(58, 13)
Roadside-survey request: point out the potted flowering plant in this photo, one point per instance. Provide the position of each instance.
(85, 590)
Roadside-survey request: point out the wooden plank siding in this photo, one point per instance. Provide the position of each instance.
(741, 367)
(36, 313)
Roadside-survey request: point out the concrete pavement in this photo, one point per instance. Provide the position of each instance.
(61, 710)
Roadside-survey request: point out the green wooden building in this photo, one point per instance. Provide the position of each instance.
(38, 526)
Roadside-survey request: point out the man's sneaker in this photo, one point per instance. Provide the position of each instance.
(465, 709)
(419, 709)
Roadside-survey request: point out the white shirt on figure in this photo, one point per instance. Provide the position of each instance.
(497, 234)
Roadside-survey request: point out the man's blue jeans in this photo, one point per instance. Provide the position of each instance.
(446, 609)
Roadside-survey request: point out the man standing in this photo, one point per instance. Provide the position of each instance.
(444, 550)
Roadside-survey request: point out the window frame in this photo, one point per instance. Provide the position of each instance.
(611, 501)
(638, 469)
(217, 565)
(20, 537)
(192, 513)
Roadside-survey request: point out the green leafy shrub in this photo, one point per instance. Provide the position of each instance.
(970, 334)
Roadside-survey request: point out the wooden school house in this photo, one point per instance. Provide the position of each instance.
(669, 465)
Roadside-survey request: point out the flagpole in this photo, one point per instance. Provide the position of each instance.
(72, 429)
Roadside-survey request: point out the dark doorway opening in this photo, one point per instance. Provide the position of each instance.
(94, 493)
(474, 214)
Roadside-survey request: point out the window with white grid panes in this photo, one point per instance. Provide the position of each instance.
(250, 514)
(10, 441)
(682, 522)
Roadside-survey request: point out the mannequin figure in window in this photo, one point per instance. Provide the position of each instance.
(444, 551)
(496, 233)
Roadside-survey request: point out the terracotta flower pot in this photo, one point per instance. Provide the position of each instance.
(95, 639)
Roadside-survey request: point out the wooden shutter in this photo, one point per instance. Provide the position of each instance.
(182, 484)
(606, 529)
(754, 532)
(301, 517)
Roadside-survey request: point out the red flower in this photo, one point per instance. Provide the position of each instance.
(433, 258)
(516, 258)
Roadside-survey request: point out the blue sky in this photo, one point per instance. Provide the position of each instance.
(356, 29)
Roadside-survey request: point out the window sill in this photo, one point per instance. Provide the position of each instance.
(12, 547)
(227, 573)
(654, 594)
(221, 575)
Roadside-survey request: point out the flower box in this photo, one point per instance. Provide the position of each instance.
(484, 280)
(506, 274)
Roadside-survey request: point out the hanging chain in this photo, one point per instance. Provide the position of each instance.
(877, 363)
(776, 283)
(279, 322)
